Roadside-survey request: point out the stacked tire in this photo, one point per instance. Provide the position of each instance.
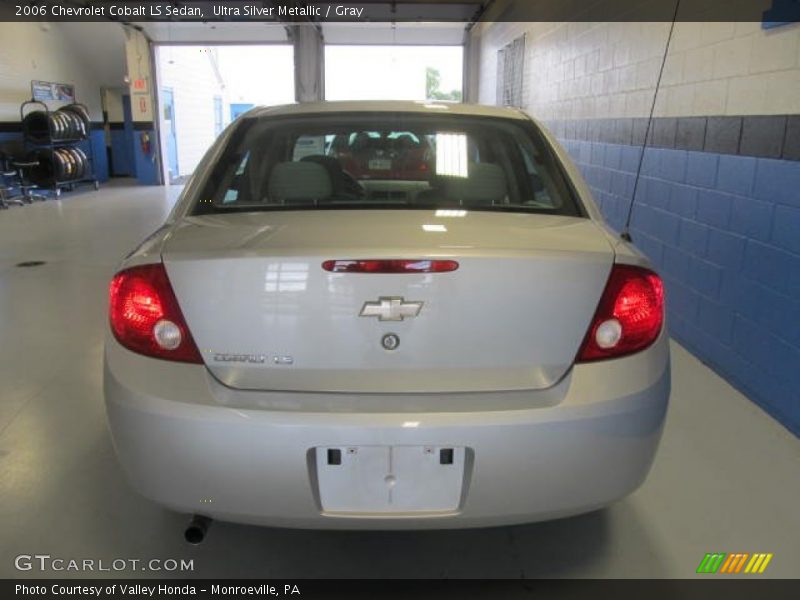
(67, 124)
(58, 164)
(59, 160)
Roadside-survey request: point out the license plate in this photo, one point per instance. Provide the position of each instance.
(390, 479)
(380, 164)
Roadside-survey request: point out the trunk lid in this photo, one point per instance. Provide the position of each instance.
(267, 316)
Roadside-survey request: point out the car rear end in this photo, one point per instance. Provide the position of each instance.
(474, 351)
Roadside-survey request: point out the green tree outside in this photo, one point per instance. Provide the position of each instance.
(433, 81)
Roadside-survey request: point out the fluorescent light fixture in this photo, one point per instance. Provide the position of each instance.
(450, 212)
(411, 424)
(434, 227)
(451, 154)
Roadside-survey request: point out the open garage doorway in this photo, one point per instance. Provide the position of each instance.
(203, 88)
(394, 72)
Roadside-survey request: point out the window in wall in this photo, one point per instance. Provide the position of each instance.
(510, 65)
(217, 115)
(394, 72)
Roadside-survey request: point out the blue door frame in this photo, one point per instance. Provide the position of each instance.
(168, 106)
(239, 108)
(122, 163)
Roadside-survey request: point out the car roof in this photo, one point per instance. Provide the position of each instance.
(395, 106)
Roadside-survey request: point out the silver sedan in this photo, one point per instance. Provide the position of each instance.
(386, 315)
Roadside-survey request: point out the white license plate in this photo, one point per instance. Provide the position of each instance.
(390, 479)
(380, 164)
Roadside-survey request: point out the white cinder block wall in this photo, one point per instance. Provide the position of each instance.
(717, 207)
(187, 70)
(112, 100)
(601, 70)
(86, 55)
(42, 51)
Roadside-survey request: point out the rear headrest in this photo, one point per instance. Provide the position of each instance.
(299, 181)
(485, 184)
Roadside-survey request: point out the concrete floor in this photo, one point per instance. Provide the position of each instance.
(727, 477)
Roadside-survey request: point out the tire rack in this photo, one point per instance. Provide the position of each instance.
(52, 143)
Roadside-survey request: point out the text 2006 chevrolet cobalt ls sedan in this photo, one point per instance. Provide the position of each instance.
(386, 315)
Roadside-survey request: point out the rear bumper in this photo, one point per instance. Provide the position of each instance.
(580, 446)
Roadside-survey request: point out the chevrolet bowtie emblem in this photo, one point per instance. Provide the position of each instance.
(390, 309)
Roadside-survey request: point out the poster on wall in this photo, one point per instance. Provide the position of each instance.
(48, 90)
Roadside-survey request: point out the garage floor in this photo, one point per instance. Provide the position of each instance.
(727, 477)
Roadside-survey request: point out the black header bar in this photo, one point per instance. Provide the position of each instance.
(769, 12)
(356, 589)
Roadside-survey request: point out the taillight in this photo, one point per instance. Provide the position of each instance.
(145, 316)
(629, 317)
(390, 266)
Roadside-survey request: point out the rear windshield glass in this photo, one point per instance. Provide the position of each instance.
(386, 161)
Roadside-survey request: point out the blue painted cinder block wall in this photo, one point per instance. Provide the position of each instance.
(96, 139)
(724, 232)
(135, 163)
(121, 150)
(144, 164)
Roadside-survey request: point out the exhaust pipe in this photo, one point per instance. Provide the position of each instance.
(196, 530)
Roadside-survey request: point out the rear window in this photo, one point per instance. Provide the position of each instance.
(386, 160)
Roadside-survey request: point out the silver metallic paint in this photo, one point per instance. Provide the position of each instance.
(584, 438)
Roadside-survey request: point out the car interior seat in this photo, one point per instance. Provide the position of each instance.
(298, 183)
(344, 186)
(484, 185)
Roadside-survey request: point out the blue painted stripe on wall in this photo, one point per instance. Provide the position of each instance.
(724, 231)
(145, 165)
(120, 153)
(98, 141)
(6, 136)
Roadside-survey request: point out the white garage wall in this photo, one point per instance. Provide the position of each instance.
(258, 74)
(251, 74)
(601, 70)
(49, 52)
(113, 104)
(716, 204)
(188, 71)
